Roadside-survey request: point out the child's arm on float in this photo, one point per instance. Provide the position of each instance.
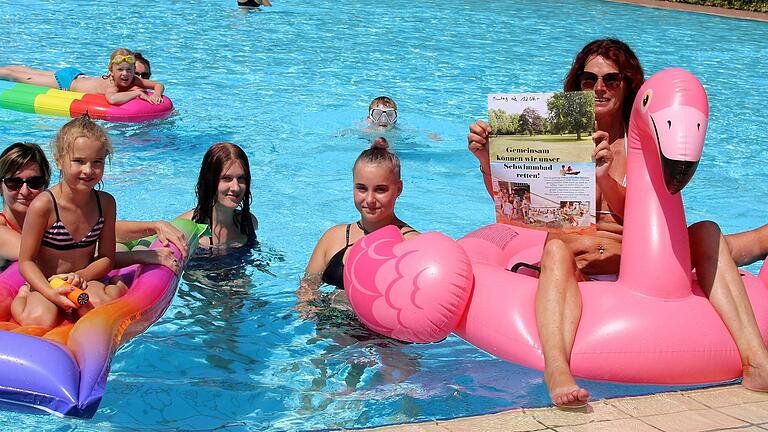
(35, 224)
(116, 97)
(157, 87)
(104, 260)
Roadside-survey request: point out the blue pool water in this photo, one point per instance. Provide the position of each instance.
(290, 84)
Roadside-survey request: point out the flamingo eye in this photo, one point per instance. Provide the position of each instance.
(647, 96)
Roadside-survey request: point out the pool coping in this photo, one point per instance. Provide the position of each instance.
(726, 408)
(711, 10)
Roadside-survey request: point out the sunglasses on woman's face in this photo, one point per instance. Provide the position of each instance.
(144, 75)
(588, 80)
(15, 183)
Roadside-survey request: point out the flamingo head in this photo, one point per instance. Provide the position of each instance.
(670, 113)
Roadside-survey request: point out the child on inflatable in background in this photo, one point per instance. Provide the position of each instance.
(224, 198)
(376, 187)
(63, 229)
(25, 173)
(119, 85)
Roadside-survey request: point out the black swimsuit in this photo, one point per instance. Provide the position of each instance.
(334, 271)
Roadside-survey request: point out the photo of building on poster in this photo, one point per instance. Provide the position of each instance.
(541, 159)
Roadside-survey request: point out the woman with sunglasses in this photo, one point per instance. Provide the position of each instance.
(25, 173)
(610, 69)
(142, 66)
(119, 85)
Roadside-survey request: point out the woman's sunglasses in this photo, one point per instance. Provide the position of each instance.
(612, 80)
(15, 183)
(144, 75)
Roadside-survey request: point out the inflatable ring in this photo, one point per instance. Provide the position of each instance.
(65, 369)
(49, 101)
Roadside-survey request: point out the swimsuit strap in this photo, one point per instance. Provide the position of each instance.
(9, 223)
(56, 206)
(347, 240)
(98, 202)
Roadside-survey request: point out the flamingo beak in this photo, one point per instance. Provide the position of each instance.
(680, 135)
(677, 173)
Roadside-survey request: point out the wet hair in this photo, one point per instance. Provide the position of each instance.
(79, 127)
(618, 53)
(216, 159)
(117, 52)
(379, 153)
(140, 58)
(20, 154)
(383, 101)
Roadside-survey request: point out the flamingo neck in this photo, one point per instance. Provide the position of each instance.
(656, 259)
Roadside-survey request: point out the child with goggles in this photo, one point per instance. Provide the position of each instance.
(119, 85)
(382, 112)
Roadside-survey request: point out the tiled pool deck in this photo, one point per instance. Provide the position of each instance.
(729, 408)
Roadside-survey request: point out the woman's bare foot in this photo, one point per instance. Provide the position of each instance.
(755, 377)
(563, 390)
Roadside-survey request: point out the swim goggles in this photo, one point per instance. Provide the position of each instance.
(383, 115)
(612, 80)
(124, 58)
(15, 183)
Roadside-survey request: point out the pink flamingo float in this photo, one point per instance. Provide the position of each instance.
(652, 325)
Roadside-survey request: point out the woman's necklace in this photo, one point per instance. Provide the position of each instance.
(362, 228)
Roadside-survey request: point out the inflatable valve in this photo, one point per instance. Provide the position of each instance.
(78, 296)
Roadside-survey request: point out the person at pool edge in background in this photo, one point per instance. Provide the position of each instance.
(612, 71)
(25, 173)
(119, 85)
(253, 3)
(376, 187)
(224, 198)
(48, 245)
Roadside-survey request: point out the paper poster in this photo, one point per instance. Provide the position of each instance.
(541, 159)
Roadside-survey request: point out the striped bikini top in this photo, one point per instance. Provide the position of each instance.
(58, 237)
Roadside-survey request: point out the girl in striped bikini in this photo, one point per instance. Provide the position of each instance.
(69, 231)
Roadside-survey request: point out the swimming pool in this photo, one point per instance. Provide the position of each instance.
(289, 84)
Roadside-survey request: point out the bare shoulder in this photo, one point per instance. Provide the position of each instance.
(106, 198)
(41, 203)
(186, 215)
(254, 221)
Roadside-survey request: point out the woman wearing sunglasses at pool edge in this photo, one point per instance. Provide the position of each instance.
(25, 173)
(119, 85)
(610, 69)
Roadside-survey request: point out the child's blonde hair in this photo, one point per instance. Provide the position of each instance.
(76, 128)
(382, 101)
(119, 52)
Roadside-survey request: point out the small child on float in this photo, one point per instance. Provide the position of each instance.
(69, 232)
(119, 85)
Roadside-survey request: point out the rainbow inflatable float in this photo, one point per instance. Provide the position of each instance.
(49, 101)
(653, 325)
(64, 370)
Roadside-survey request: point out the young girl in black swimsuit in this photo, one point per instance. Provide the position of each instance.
(69, 232)
(377, 185)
